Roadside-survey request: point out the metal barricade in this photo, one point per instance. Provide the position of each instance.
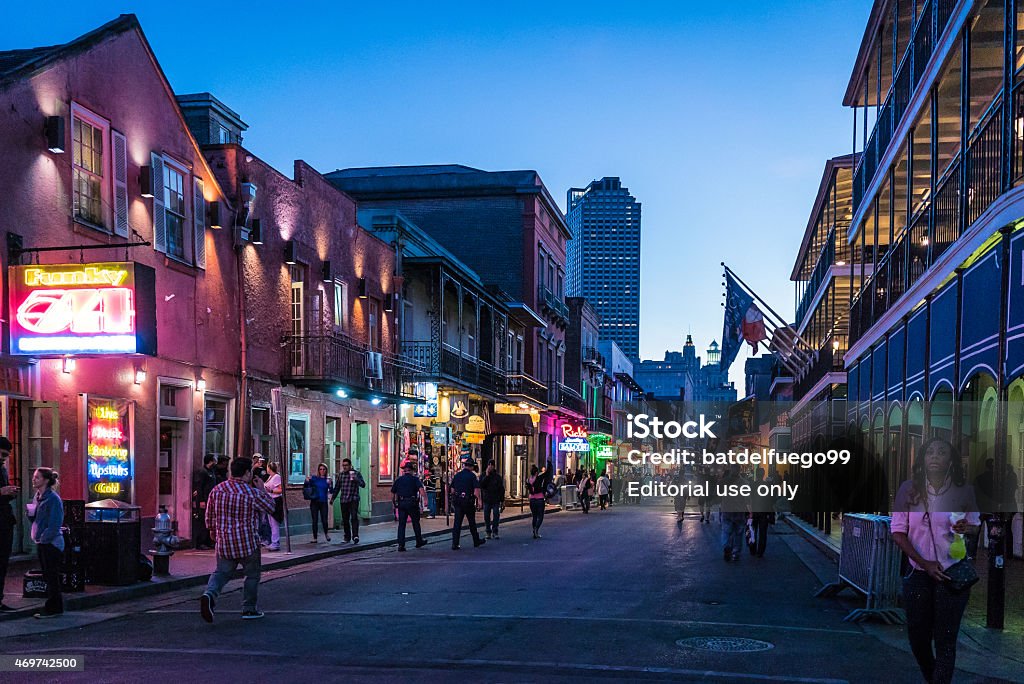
(870, 563)
(569, 498)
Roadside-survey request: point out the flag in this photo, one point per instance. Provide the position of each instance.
(737, 303)
(753, 326)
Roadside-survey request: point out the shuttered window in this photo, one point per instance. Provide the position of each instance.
(89, 159)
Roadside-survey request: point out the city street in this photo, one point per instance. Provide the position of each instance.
(605, 596)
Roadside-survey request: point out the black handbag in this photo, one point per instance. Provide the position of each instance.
(962, 575)
(309, 491)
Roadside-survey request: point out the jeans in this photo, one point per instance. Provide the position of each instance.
(469, 511)
(933, 619)
(275, 531)
(225, 568)
(537, 510)
(761, 521)
(50, 558)
(732, 531)
(6, 541)
(432, 503)
(350, 518)
(318, 509)
(584, 502)
(409, 510)
(492, 516)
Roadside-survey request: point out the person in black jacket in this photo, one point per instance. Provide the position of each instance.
(492, 489)
(7, 520)
(203, 482)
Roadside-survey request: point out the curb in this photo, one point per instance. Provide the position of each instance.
(807, 533)
(144, 589)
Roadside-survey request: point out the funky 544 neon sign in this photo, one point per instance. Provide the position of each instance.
(101, 308)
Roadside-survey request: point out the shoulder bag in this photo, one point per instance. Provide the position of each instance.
(962, 575)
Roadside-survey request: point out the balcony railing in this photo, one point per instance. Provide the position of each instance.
(931, 24)
(936, 227)
(593, 357)
(552, 305)
(828, 359)
(444, 360)
(566, 397)
(322, 360)
(527, 387)
(601, 424)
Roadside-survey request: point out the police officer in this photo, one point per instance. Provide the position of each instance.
(465, 495)
(404, 495)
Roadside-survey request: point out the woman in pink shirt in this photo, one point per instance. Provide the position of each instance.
(930, 510)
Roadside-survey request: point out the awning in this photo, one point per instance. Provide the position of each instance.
(511, 424)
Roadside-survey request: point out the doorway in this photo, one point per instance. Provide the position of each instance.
(41, 447)
(360, 456)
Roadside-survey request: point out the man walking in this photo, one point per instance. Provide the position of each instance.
(203, 482)
(232, 516)
(405, 494)
(464, 495)
(7, 520)
(430, 486)
(603, 487)
(492, 490)
(346, 488)
(734, 517)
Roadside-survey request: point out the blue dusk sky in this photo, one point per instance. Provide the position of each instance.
(718, 117)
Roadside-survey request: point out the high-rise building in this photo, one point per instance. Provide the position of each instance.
(603, 258)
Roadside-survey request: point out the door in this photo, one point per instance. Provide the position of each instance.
(41, 425)
(361, 462)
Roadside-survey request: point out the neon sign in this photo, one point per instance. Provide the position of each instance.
(83, 309)
(108, 448)
(574, 439)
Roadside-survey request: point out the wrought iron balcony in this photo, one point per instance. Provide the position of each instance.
(521, 385)
(553, 306)
(326, 360)
(566, 397)
(828, 359)
(442, 361)
(592, 357)
(602, 424)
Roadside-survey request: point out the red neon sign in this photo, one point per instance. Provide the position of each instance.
(577, 432)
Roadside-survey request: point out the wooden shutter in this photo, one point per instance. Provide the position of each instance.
(199, 222)
(120, 147)
(159, 215)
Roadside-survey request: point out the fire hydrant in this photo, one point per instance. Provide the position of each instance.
(163, 538)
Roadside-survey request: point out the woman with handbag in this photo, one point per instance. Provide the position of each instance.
(932, 513)
(274, 488)
(46, 511)
(318, 489)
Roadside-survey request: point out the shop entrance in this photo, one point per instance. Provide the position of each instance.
(361, 462)
(41, 447)
(174, 463)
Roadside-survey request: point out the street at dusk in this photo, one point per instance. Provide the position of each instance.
(677, 341)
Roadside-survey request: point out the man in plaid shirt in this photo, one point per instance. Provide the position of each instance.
(233, 513)
(346, 487)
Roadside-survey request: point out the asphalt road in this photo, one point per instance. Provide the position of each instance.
(605, 596)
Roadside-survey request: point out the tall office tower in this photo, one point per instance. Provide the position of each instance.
(603, 258)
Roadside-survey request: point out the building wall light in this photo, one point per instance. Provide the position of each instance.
(361, 291)
(140, 375)
(69, 364)
(201, 384)
(146, 180)
(289, 252)
(55, 134)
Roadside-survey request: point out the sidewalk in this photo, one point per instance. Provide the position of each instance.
(192, 568)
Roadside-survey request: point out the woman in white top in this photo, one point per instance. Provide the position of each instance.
(273, 487)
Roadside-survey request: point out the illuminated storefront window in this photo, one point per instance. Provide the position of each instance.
(109, 460)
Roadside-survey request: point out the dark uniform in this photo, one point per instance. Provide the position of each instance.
(404, 493)
(203, 482)
(463, 501)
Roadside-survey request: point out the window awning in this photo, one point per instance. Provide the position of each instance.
(511, 424)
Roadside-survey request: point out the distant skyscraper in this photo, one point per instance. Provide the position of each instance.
(603, 258)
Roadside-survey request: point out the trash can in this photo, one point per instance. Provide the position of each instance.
(113, 542)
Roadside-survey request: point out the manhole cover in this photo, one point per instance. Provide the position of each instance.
(725, 644)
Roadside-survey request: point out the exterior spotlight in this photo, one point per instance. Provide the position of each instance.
(375, 401)
(342, 394)
(201, 384)
(140, 375)
(55, 134)
(289, 252)
(361, 291)
(69, 364)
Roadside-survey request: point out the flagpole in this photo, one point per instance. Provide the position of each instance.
(780, 321)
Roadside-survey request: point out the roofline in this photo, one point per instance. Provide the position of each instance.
(87, 41)
(832, 166)
(875, 20)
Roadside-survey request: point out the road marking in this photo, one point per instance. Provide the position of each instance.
(575, 618)
(448, 562)
(422, 663)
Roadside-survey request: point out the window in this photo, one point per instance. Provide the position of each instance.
(373, 323)
(334, 450)
(297, 311)
(215, 442)
(340, 305)
(298, 440)
(88, 147)
(384, 458)
(223, 135)
(174, 204)
(262, 443)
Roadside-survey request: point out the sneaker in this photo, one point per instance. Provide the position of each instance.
(45, 614)
(328, 540)
(355, 540)
(538, 535)
(488, 535)
(455, 548)
(206, 607)
(252, 614)
(479, 542)
(421, 543)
